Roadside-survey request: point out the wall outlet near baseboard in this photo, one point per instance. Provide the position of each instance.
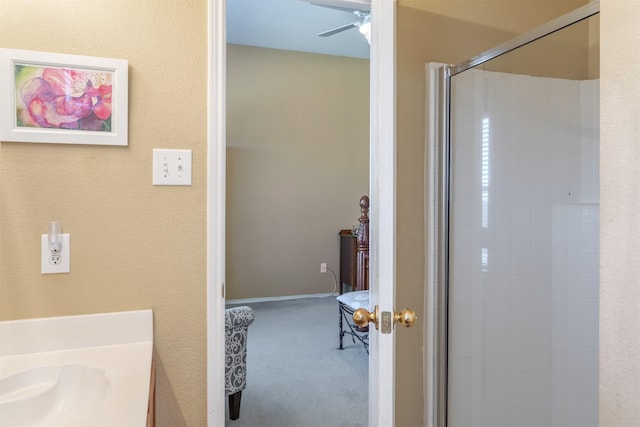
(323, 267)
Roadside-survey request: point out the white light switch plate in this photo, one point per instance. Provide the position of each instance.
(171, 167)
(62, 260)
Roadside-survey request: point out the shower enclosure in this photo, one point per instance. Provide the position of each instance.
(518, 216)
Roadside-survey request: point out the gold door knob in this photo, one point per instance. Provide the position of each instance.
(406, 317)
(362, 316)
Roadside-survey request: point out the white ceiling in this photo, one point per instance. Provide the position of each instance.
(293, 25)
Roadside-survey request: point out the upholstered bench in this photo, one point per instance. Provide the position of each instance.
(347, 304)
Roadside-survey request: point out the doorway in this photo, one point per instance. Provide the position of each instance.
(382, 226)
(518, 311)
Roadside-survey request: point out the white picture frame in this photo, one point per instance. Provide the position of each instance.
(63, 99)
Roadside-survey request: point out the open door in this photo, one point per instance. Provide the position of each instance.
(382, 225)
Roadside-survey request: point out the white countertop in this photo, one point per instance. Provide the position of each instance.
(114, 348)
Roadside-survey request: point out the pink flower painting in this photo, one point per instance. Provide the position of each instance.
(63, 98)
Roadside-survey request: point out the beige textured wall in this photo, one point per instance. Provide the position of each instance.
(446, 32)
(133, 246)
(620, 204)
(297, 165)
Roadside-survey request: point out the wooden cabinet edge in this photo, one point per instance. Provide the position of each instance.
(151, 409)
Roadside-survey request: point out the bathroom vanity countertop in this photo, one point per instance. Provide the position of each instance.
(107, 358)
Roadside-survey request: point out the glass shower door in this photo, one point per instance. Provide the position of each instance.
(523, 237)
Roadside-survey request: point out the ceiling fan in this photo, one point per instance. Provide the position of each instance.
(360, 8)
(363, 23)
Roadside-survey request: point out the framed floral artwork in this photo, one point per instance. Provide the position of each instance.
(64, 99)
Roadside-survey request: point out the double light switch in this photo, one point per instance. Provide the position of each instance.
(171, 167)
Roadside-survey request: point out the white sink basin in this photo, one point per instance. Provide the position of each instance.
(40, 395)
(76, 371)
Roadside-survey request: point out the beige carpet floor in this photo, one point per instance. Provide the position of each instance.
(296, 375)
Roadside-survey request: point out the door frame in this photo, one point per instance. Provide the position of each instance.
(382, 181)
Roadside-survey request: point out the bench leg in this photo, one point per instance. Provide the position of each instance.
(234, 405)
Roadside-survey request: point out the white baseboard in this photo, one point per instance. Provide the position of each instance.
(267, 299)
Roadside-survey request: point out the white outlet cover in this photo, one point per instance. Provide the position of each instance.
(171, 167)
(46, 267)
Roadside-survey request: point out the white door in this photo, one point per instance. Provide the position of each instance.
(382, 225)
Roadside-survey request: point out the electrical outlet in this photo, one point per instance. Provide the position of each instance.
(55, 262)
(323, 267)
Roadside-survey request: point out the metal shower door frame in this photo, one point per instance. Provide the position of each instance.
(443, 187)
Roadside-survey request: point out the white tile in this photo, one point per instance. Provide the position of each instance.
(560, 365)
(542, 334)
(589, 261)
(459, 398)
(582, 359)
(541, 285)
(460, 418)
(582, 411)
(521, 286)
(460, 345)
(460, 318)
(521, 336)
(502, 212)
(560, 334)
(521, 386)
(495, 365)
(460, 375)
(522, 412)
(582, 335)
(521, 237)
(583, 310)
(501, 263)
(542, 310)
(461, 239)
(574, 235)
(590, 236)
(504, 289)
(497, 339)
(542, 383)
(521, 311)
(559, 259)
(497, 415)
(541, 261)
(521, 360)
(521, 209)
(541, 237)
(497, 390)
(461, 266)
(503, 239)
(483, 289)
(559, 285)
(589, 286)
(498, 314)
(460, 292)
(559, 409)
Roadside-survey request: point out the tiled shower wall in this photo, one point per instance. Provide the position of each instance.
(523, 316)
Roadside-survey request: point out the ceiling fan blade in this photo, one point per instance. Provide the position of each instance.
(342, 9)
(339, 29)
(344, 5)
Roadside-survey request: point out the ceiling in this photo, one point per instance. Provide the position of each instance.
(293, 25)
